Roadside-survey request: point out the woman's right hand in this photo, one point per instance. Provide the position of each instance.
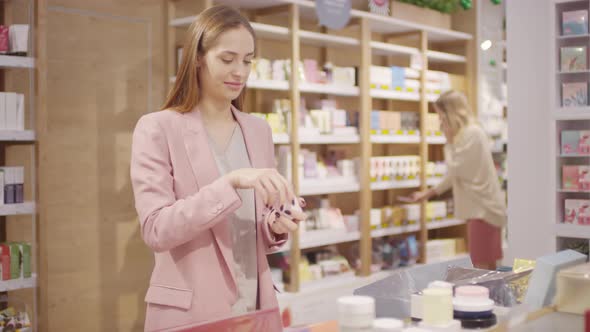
(267, 182)
(420, 196)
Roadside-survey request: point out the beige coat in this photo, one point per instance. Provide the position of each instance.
(473, 177)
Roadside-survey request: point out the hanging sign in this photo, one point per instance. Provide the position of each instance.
(379, 7)
(333, 14)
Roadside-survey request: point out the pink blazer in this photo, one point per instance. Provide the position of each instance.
(183, 207)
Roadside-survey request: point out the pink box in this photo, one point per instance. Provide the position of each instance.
(4, 45)
(584, 177)
(577, 211)
(584, 142)
(570, 178)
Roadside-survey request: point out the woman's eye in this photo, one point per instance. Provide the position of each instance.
(227, 61)
(248, 62)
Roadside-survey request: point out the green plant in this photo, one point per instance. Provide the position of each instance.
(443, 6)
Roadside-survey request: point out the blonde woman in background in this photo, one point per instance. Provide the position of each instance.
(473, 178)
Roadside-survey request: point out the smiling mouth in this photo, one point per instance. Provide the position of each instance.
(233, 84)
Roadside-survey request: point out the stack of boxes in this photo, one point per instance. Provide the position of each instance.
(12, 111)
(15, 260)
(408, 79)
(12, 179)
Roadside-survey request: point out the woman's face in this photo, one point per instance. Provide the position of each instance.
(225, 67)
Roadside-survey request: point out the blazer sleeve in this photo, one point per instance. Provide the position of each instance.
(273, 241)
(167, 222)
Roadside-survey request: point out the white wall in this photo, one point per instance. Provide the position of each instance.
(530, 189)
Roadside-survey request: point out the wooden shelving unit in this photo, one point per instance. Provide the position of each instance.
(18, 222)
(374, 40)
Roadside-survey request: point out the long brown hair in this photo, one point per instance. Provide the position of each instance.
(203, 33)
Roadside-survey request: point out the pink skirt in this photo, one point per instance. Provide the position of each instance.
(485, 241)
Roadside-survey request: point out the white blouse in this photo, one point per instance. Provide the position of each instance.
(243, 222)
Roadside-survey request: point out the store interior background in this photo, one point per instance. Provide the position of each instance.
(103, 64)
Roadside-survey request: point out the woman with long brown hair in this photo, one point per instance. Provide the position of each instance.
(210, 203)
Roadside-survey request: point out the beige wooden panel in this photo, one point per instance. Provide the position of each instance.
(100, 80)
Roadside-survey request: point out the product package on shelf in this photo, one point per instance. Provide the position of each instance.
(442, 248)
(18, 39)
(15, 260)
(433, 125)
(573, 59)
(309, 71)
(407, 79)
(399, 168)
(324, 218)
(324, 263)
(12, 179)
(313, 167)
(12, 109)
(395, 123)
(576, 177)
(577, 211)
(575, 94)
(15, 315)
(575, 22)
(393, 253)
(575, 142)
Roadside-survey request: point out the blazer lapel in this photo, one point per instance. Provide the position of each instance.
(205, 171)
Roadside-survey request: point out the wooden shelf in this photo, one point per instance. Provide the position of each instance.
(9, 61)
(320, 139)
(406, 139)
(292, 38)
(573, 36)
(16, 284)
(435, 56)
(328, 186)
(268, 85)
(315, 239)
(331, 89)
(395, 139)
(433, 182)
(400, 184)
(572, 230)
(17, 136)
(387, 49)
(573, 72)
(573, 113)
(574, 156)
(573, 191)
(17, 209)
(436, 140)
(394, 95)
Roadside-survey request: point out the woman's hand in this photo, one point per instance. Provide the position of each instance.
(420, 196)
(267, 182)
(282, 225)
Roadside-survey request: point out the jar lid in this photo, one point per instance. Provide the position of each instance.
(479, 323)
(473, 291)
(356, 305)
(467, 304)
